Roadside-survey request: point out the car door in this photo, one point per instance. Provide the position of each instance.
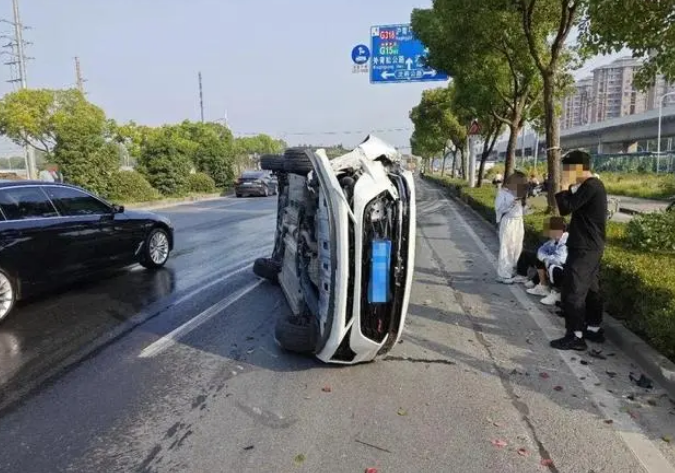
(108, 235)
(34, 238)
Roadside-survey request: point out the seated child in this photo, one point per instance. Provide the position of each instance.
(549, 262)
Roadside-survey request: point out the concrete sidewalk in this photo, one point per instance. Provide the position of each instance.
(634, 205)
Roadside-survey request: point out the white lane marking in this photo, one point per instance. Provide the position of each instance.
(232, 272)
(171, 338)
(644, 449)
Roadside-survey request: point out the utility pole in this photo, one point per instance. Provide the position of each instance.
(78, 75)
(201, 97)
(19, 59)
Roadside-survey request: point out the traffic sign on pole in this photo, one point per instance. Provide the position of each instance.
(360, 54)
(397, 56)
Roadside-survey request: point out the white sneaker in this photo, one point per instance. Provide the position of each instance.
(520, 279)
(551, 299)
(539, 290)
(504, 280)
(529, 284)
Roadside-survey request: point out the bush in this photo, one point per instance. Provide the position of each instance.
(130, 186)
(201, 183)
(165, 160)
(653, 232)
(639, 286)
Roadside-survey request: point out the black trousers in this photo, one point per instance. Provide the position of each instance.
(581, 299)
(528, 259)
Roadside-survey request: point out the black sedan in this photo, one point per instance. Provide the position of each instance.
(53, 233)
(260, 183)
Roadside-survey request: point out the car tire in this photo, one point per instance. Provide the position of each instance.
(155, 252)
(7, 295)
(295, 335)
(296, 161)
(267, 268)
(272, 162)
(238, 196)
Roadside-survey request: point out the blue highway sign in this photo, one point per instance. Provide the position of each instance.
(360, 54)
(397, 56)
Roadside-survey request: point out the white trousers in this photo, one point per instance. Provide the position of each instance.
(511, 235)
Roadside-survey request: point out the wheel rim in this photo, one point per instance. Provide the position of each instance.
(6, 296)
(159, 248)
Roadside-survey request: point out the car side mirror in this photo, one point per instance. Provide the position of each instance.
(118, 209)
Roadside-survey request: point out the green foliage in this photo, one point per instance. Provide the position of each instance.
(130, 186)
(165, 160)
(639, 286)
(647, 28)
(436, 123)
(88, 162)
(645, 186)
(212, 152)
(201, 183)
(653, 232)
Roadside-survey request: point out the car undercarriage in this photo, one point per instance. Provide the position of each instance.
(344, 250)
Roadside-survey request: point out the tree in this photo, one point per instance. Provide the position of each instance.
(646, 27)
(35, 117)
(547, 24)
(482, 46)
(436, 124)
(246, 147)
(212, 151)
(165, 160)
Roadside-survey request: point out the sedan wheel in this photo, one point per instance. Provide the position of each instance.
(156, 249)
(7, 295)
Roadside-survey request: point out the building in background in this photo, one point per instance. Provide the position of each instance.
(577, 106)
(613, 93)
(659, 90)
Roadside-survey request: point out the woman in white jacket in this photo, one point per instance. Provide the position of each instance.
(509, 205)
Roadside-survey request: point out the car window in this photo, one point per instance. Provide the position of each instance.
(20, 203)
(72, 202)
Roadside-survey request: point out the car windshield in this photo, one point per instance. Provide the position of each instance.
(252, 175)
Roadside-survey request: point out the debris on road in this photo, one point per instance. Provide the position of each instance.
(544, 375)
(667, 438)
(523, 452)
(382, 449)
(499, 443)
(558, 388)
(402, 412)
(611, 374)
(371, 470)
(608, 421)
(326, 389)
(299, 459)
(642, 381)
(597, 354)
(249, 447)
(546, 462)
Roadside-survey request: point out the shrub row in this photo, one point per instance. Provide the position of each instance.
(638, 285)
(132, 186)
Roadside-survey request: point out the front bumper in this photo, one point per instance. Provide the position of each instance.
(356, 330)
(249, 190)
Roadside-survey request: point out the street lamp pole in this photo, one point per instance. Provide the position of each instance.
(658, 140)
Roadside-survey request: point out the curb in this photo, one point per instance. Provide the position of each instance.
(656, 366)
(188, 200)
(626, 210)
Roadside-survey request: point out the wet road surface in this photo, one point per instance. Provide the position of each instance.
(214, 239)
(472, 388)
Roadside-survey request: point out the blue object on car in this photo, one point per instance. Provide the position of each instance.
(378, 288)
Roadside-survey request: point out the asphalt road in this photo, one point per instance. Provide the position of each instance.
(202, 387)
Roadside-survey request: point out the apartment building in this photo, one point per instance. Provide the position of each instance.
(656, 93)
(613, 92)
(577, 106)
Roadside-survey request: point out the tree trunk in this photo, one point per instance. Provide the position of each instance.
(552, 141)
(510, 163)
(445, 155)
(454, 164)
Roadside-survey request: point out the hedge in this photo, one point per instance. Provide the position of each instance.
(202, 183)
(638, 286)
(130, 186)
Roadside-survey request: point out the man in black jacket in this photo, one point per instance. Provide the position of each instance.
(582, 304)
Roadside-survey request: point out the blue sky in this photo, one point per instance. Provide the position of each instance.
(274, 66)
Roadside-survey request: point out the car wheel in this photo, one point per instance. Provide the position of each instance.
(296, 161)
(267, 268)
(7, 295)
(238, 196)
(272, 162)
(295, 334)
(155, 252)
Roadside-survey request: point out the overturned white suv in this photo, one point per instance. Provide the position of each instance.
(344, 250)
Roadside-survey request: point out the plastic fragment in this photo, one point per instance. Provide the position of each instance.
(499, 443)
(523, 452)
